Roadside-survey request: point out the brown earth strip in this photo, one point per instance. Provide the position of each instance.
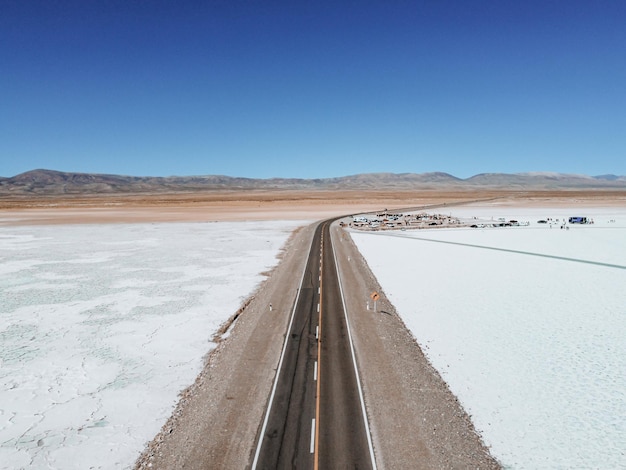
(259, 205)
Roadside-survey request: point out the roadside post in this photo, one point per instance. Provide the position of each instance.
(374, 296)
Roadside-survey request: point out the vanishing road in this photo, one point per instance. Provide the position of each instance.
(315, 417)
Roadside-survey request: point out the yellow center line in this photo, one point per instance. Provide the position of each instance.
(319, 365)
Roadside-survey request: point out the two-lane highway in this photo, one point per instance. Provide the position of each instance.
(315, 416)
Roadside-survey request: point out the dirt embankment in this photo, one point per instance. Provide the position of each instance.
(216, 422)
(415, 420)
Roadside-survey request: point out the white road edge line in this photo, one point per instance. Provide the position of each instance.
(356, 369)
(315, 371)
(312, 449)
(280, 365)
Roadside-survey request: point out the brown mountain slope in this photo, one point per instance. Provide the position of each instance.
(49, 182)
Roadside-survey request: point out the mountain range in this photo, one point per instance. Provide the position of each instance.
(50, 182)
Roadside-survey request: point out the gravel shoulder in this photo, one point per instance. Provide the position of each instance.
(415, 420)
(217, 419)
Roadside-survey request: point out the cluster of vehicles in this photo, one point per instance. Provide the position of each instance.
(571, 220)
(386, 220)
(501, 223)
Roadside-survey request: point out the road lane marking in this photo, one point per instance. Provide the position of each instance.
(312, 449)
(356, 369)
(317, 331)
(280, 365)
(318, 308)
(316, 456)
(315, 371)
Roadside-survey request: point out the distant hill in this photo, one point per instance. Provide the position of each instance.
(540, 180)
(49, 182)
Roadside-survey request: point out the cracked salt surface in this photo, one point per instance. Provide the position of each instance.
(532, 346)
(102, 326)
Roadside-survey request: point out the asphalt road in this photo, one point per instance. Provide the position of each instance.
(315, 418)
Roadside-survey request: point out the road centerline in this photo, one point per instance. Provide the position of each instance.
(319, 362)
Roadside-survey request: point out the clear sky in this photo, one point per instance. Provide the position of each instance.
(312, 88)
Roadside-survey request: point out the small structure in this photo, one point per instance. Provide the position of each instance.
(578, 220)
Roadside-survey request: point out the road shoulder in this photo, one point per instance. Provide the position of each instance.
(415, 419)
(216, 421)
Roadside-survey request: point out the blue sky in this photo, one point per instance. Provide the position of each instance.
(312, 89)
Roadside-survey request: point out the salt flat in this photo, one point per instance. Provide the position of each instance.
(525, 324)
(101, 326)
